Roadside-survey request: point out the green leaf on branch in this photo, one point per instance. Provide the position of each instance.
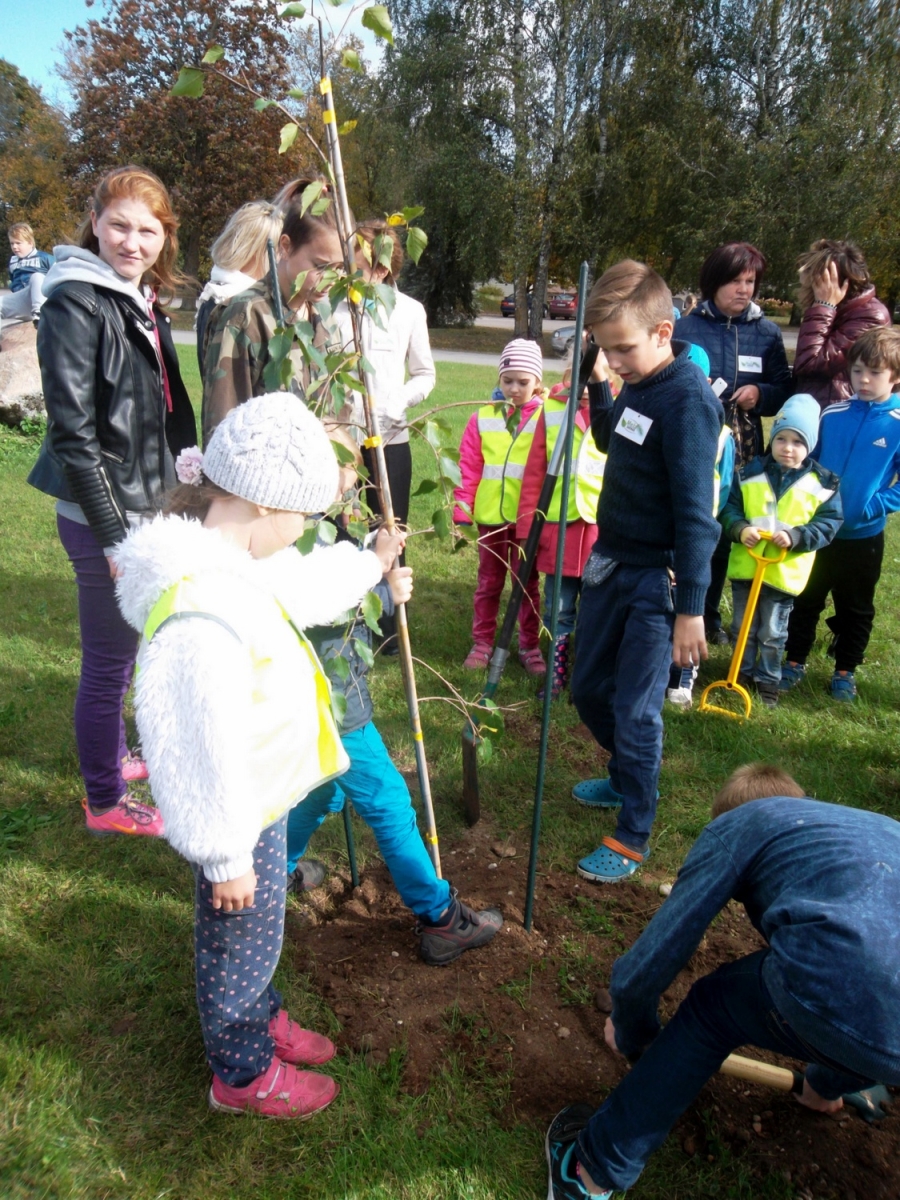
(484, 749)
(213, 54)
(319, 206)
(450, 470)
(371, 610)
(410, 214)
(296, 93)
(351, 59)
(307, 540)
(433, 436)
(339, 668)
(338, 708)
(347, 127)
(442, 520)
(293, 10)
(416, 241)
(288, 136)
(188, 83)
(311, 193)
(378, 21)
(364, 650)
(261, 105)
(326, 532)
(426, 486)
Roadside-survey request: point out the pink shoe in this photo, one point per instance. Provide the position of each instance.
(533, 662)
(296, 1045)
(478, 657)
(134, 769)
(282, 1092)
(128, 816)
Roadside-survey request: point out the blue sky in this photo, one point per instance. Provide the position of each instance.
(31, 37)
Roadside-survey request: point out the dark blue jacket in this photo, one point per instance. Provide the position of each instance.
(860, 441)
(661, 436)
(22, 268)
(742, 350)
(821, 884)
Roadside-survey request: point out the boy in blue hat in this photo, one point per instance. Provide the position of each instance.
(787, 494)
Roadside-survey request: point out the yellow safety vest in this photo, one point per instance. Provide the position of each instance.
(724, 435)
(505, 455)
(796, 507)
(282, 765)
(588, 465)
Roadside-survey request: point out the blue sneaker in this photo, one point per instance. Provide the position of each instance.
(560, 1149)
(791, 674)
(843, 687)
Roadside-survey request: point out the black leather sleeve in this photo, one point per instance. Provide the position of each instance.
(68, 347)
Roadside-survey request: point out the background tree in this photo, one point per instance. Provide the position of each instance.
(32, 145)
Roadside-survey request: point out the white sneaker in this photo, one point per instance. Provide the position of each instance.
(683, 695)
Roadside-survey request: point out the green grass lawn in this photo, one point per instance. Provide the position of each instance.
(101, 1062)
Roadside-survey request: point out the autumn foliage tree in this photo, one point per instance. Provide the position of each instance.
(213, 153)
(32, 144)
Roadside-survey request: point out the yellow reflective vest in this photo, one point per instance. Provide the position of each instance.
(588, 465)
(293, 742)
(796, 507)
(505, 455)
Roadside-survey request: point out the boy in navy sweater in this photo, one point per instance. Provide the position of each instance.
(656, 526)
(27, 268)
(821, 884)
(860, 441)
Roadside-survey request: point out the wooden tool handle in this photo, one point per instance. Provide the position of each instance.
(759, 1072)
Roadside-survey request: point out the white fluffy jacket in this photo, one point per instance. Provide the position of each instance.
(206, 723)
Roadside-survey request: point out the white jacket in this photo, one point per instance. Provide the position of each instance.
(390, 351)
(226, 709)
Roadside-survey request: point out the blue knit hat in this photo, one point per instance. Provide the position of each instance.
(699, 356)
(801, 415)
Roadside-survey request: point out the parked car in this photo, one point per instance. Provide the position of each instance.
(508, 305)
(562, 340)
(562, 305)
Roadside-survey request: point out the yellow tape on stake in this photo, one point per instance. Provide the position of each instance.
(325, 86)
(328, 116)
(371, 442)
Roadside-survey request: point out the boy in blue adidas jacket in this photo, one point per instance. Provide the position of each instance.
(860, 441)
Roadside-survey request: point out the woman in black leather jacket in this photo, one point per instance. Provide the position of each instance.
(118, 416)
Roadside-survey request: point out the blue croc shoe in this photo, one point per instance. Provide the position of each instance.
(791, 674)
(597, 793)
(611, 862)
(559, 1145)
(843, 687)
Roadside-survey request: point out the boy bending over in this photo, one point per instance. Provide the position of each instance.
(661, 436)
(821, 884)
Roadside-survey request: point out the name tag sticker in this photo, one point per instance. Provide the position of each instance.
(634, 426)
(750, 363)
(718, 386)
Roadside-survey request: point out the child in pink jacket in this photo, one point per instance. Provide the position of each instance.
(493, 453)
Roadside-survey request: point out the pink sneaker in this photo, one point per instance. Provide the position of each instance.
(478, 657)
(128, 816)
(296, 1045)
(282, 1092)
(134, 769)
(533, 662)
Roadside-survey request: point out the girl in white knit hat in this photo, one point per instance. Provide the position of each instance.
(492, 457)
(235, 718)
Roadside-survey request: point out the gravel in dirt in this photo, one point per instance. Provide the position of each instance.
(530, 1008)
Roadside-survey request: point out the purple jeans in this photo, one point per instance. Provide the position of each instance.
(108, 650)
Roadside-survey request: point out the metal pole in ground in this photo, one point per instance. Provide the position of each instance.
(568, 432)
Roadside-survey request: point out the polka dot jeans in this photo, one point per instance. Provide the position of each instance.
(236, 955)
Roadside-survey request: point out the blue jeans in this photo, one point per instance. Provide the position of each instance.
(568, 603)
(725, 1010)
(623, 649)
(768, 632)
(381, 797)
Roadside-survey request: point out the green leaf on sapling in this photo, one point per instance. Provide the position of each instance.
(326, 532)
(351, 59)
(338, 708)
(261, 105)
(416, 241)
(296, 93)
(288, 136)
(450, 470)
(347, 127)
(188, 83)
(378, 21)
(364, 650)
(410, 214)
(426, 486)
(371, 609)
(442, 520)
(293, 10)
(213, 54)
(311, 193)
(307, 539)
(433, 434)
(339, 668)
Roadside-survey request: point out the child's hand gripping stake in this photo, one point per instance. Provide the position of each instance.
(730, 683)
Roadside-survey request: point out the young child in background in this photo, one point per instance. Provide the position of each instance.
(860, 441)
(655, 518)
(235, 719)
(788, 494)
(586, 481)
(446, 927)
(680, 691)
(492, 457)
(821, 884)
(27, 268)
